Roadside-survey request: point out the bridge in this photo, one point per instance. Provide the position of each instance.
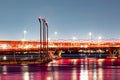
(112, 47)
(44, 50)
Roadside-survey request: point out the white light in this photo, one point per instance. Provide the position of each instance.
(4, 58)
(26, 75)
(74, 38)
(74, 74)
(23, 40)
(52, 45)
(4, 46)
(55, 33)
(27, 46)
(86, 46)
(90, 34)
(4, 69)
(25, 72)
(81, 46)
(99, 37)
(84, 72)
(25, 31)
(49, 78)
(49, 39)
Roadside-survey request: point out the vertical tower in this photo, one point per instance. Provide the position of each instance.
(43, 38)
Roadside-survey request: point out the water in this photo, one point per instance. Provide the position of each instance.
(64, 69)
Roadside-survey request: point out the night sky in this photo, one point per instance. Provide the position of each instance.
(69, 18)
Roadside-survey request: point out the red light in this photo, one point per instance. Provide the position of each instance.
(46, 22)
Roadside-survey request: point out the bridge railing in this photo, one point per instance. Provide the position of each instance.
(9, 45)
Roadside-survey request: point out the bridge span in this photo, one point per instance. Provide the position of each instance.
(19, 47)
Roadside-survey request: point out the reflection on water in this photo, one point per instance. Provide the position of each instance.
(4, 69)
(64, 69)
(25, 72)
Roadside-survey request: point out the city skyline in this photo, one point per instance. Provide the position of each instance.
(66, 18)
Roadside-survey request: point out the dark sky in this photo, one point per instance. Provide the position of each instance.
(66, 17)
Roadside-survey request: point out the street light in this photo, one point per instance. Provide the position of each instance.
(90, 34)
(74, 38)
(99, 39)
(24, 37)
(49, 39)
(55, 34)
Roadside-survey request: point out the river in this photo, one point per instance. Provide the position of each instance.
(64, 69)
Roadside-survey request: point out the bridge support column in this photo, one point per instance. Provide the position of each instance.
(112, 52)
(51, 53)
(59, 53)
(118, 53)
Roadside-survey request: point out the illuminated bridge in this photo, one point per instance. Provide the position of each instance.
(110, 47)
(44, 50)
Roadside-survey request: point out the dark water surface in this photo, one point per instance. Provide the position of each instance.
(64, 69)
